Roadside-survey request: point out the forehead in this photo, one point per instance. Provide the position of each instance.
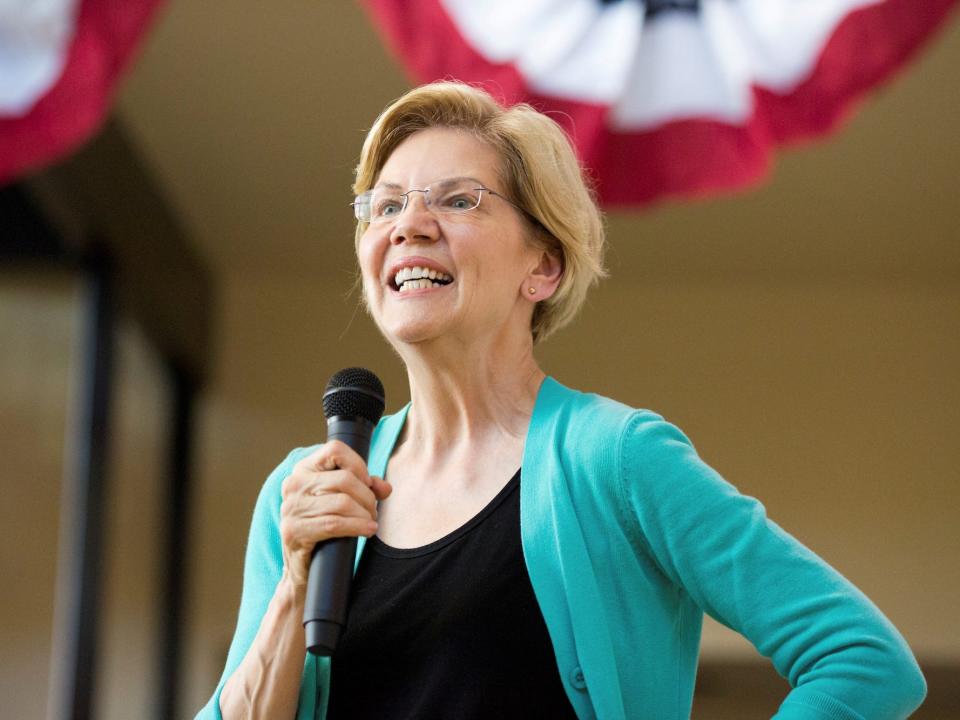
(437, 153)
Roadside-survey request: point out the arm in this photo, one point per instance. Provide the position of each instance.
(267, 681)
(310, 497)
(842, 657)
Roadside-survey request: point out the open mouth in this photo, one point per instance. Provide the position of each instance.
(419, 278)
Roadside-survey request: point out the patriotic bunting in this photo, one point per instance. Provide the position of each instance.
(60, 61)
(663, 98)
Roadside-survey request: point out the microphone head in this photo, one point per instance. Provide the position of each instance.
(354, 393)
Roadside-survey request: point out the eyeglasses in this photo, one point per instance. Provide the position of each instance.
(445, 197)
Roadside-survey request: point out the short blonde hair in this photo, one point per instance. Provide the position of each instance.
(540, 173)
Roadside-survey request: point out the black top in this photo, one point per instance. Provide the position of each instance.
(448, 630)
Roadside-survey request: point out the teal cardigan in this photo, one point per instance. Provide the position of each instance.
(629, 538)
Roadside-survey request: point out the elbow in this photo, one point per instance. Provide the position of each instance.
(902, 689)
(905, 681)
(883, 683)
(914, 685)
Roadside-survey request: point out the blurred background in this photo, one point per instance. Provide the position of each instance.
(803, 332)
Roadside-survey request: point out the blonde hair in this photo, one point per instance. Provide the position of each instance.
(539, 170)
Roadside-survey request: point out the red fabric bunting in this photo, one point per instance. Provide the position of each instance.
(106, 35)
(690, 156)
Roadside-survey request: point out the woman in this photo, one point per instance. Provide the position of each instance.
(572, 587)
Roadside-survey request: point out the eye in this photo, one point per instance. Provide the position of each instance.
(459, 201)
(388, 207)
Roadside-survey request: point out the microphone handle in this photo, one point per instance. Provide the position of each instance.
(331, 565)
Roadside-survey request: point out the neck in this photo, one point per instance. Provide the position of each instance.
(470, 394)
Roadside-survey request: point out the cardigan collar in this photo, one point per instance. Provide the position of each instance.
(389, 428)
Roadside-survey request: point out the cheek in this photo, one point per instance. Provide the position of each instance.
(368, 255)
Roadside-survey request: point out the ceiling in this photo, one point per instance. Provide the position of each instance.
(251, 117)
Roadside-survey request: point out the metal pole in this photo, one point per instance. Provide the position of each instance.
(173, 580)
(80, 555)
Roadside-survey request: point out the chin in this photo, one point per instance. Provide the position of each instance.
(411, 331)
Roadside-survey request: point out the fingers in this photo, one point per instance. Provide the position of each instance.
(335, 454)
(380, 487)
(329, 494)
(340, 504)
(305, 531)
(333, 491)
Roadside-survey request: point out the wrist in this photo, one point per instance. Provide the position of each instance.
(290, 593)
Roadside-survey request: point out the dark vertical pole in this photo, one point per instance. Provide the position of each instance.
(174, 568)
(80, 555)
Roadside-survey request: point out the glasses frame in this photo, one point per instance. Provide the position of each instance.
(358, 203)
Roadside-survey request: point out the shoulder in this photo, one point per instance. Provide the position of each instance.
(589, 423)
(611, 447)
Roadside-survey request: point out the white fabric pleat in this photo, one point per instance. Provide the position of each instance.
(34, 40)
(679, 65)
(566, 48)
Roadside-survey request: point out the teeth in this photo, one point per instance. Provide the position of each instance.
(422, 276)
(416, 285)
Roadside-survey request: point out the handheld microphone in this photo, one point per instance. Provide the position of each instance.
(352, 403)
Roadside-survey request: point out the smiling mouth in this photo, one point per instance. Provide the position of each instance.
(419, 278)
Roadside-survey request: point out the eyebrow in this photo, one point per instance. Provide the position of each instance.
(443, 181)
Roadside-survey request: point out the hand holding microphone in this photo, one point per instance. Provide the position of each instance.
(328, 501)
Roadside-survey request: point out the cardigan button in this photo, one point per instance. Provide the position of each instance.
(577, 679)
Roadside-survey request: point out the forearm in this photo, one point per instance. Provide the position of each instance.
(266, 684)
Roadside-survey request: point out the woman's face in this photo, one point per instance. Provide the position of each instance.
(484, 251)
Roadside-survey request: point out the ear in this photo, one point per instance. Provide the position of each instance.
(543, 279)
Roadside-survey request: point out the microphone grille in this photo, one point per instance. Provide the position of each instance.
(354, 392)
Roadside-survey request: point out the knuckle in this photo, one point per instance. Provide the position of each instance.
(336, 446)
(304, 464)
(287, 534)
(330, 525)
(340, 503)
(288, 509)
(334, 452)
(341, 481)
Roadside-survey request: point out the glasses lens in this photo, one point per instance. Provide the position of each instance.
(448, 196)
(361, 207)
(385, 204)
(455, 196)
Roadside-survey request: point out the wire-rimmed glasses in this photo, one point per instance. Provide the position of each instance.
(453, 196)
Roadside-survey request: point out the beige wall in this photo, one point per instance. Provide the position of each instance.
(36, 331)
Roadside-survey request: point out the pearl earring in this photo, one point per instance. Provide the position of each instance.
(532, 291)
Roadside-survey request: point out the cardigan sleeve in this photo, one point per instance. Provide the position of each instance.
(840, 654)
(263, 566)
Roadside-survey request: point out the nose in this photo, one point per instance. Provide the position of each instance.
(416, 223)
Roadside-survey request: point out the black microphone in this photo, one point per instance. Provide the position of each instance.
(352, 403)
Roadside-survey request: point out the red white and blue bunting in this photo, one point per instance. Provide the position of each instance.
(60, 61)
(663, 98)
